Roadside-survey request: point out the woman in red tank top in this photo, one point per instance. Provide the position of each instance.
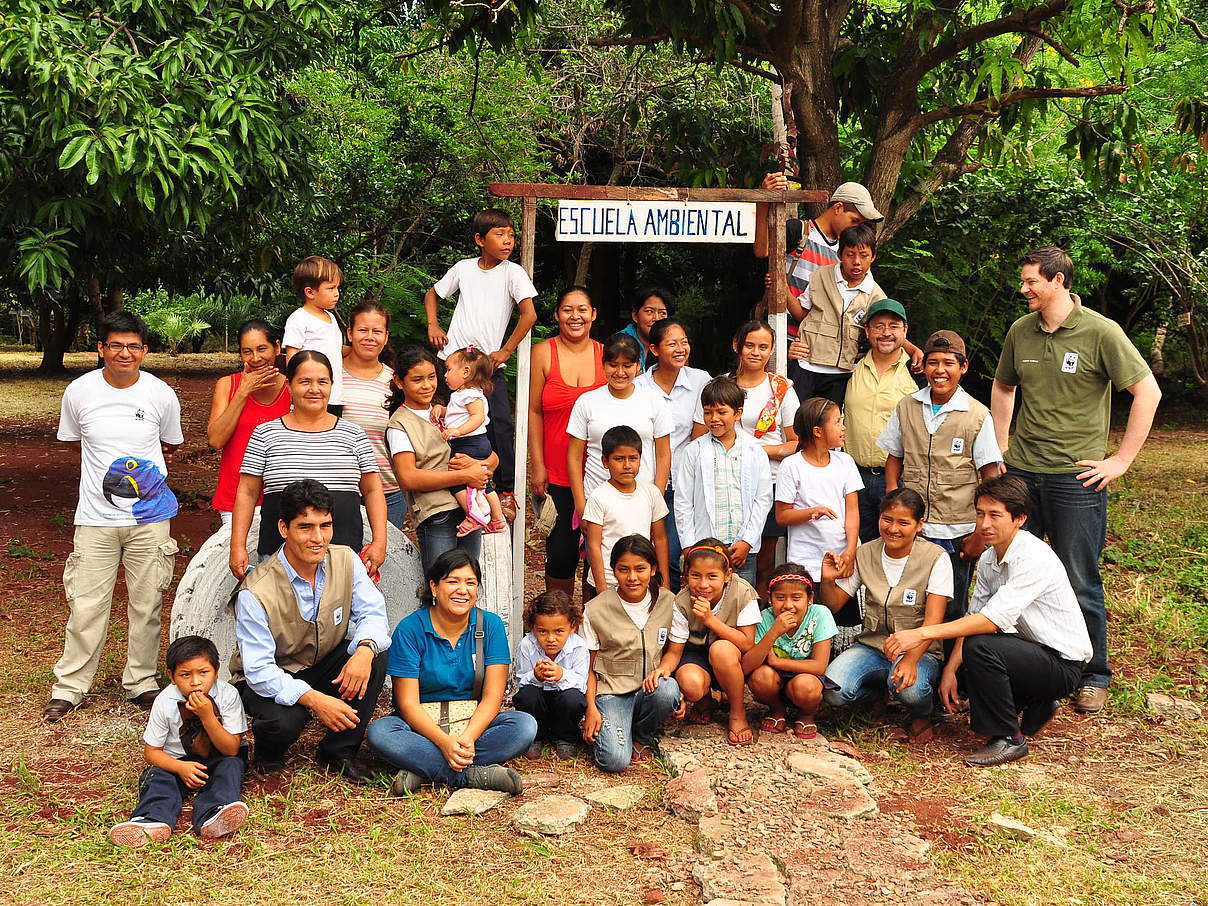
(243, 400)
(563, 368)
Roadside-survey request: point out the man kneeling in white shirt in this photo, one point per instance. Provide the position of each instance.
(1024, 643)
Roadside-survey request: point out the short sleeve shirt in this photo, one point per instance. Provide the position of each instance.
(620, 514)
(1065, 380)
(598, 410)
(484, 304)
(364, 405)
(304, 330)
(818, 626)
(445, 672)
(164, 721)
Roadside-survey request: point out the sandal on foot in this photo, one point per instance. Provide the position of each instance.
(773, 725)
(642, 753)
(494, 526)
(467, 525)
(734, 737)
(803, 729)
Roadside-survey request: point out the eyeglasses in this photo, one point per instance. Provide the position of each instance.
(118, 348)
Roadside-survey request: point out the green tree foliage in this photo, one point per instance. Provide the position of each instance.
(129, 129)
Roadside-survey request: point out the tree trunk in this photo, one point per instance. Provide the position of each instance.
(815, 103)
(57, 324)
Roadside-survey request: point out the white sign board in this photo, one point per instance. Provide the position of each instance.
(655, 221)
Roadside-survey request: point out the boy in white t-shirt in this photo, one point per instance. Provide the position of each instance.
(313, 324)
(488, 288)
(194, 741)
(622, 506)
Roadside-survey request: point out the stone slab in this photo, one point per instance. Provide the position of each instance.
(550, 815)
(472, 802)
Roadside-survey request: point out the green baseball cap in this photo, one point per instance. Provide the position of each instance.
(881, 306)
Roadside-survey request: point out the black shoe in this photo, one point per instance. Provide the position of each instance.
(268, 767)
(1034, 717)
(348, 768)
(566, 749)
(145, 700)
(999, 751)
(56, 709)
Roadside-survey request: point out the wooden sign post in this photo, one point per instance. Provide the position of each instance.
(688, 215)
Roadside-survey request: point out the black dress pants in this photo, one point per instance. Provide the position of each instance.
(558, 711)
(275, 727)
(1002, 674)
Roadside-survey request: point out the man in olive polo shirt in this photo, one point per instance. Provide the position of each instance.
(1067, 359)
(878, 382)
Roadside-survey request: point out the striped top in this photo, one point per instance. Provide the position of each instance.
(803, 258)
(336, 457)
(363, 405)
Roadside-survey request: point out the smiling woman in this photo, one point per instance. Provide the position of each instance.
(449, 664)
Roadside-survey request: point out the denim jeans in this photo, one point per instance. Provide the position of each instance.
(161, 793)
(862, 674)
(396, 508)
(747, 570)
(1075, 520)
(633, 717)
(508, 736)
(962, 575)
(674, 548)
(438, 534)
(869, 499)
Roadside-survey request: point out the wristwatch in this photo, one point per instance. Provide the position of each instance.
(370, 644)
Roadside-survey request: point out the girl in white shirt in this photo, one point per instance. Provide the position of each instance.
(470, 374)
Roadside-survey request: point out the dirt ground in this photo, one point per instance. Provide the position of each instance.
(1123, 798)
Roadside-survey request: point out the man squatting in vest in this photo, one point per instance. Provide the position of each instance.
(311, 630)
(940, 442)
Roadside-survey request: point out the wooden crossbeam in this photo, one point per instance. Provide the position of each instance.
(647, 193)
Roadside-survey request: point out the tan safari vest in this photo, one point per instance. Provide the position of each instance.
(834, 334)
(431, 452)
(301, 643)
(737, 594)
(626, 655)
(888, 610)
(940, 466)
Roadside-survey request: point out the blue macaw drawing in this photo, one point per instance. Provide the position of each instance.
(139, 485)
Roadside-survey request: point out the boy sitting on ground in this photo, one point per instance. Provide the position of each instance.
(193, 742)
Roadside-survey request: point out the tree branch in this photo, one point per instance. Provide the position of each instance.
(1194, 26)
(1066, 53)
(617, 41)
(990, 106)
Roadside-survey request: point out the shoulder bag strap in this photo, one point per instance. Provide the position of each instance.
(479, 655)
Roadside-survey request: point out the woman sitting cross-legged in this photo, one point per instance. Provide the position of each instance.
(449, 666)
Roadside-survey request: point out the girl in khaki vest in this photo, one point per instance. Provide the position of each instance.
(722, 610)
(634, 652)
(907, 583)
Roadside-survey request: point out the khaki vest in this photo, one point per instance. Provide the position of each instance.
(738, 593)
(431, 452)
(834, 334)
(887, 610)
(626, 655)
(940, 466)
(301, 643)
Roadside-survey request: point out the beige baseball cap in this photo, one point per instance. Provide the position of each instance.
(855, 194)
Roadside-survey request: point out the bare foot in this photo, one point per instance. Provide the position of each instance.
(701, 714)
(739, 733)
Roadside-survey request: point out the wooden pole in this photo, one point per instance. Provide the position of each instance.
(778, 290)
(528, 248)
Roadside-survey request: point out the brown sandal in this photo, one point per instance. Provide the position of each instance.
(803, 729)
(773, 725)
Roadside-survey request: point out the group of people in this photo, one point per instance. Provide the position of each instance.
(672, 487)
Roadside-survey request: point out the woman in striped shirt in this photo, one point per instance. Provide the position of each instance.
(309, 442)
(368, 373)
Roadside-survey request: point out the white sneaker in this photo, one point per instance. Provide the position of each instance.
(139, 832)
(226, 820)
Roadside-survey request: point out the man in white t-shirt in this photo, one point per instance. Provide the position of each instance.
(125, 423)
(488, 288)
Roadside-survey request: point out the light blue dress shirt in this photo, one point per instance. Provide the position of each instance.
(574, 659)
(366, 620)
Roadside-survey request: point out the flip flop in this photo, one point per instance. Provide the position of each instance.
(734, 737)
(773, 725)
(805, 730)
(699, 717)
(642, 753)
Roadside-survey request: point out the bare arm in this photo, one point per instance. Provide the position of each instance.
(224, 412)
(247, 492)
(893, 472)
(477, 415)
(1002, 407)
(658, 537)
(494, 681)
(524, 323)
(593, 537)
(815, 664)
(698, 430)
(436, 336)
(374, 554)
(575, 452)
(1101, 472)
(851, 522)
(662, 461)
(538, 474)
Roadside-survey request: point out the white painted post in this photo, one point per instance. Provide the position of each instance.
(528, 239)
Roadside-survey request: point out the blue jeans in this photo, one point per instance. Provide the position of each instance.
(869, 499)
(747, 570)
(396, 508)
(674, 549)
(633, 717)
(438, 534)
(862, 674)
(1075, 520)
(161, 793)
(508, 736)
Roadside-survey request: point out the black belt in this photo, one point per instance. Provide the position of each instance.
(873, 470)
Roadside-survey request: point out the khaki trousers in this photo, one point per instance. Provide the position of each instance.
(148, 555)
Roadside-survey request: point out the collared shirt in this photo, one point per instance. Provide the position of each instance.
(1028, 594)
(848, 295)
(727, 490)
(366, 620)
(574, 659)
(445, 670)
(871, 399)
(165, 720)
(682, 400)
(631, 329)
(985, 446)
(1065, 379)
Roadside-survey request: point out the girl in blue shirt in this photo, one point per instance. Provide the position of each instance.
(432, 660)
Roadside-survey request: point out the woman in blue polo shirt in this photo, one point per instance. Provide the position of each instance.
(432, 660)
